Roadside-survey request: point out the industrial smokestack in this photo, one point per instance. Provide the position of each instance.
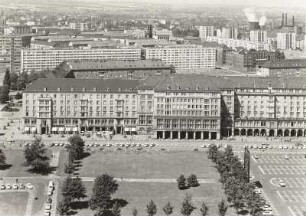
(293, 21)
(283, 19)
(286, 19)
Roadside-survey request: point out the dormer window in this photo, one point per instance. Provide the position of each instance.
(130, 89)
(72, 89)
(58, 89)
(95, 89)
(45, 89)
(197, 88)
(119, 89)
(168, 87)
(188, 88)
(84, 89)
(107, 89)
(178, 87)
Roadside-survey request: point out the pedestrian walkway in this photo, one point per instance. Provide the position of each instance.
(55, 159)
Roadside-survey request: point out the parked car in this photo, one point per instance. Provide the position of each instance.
(29, 186)
(267, 213)
(256, 156)
(22, 186)
(8, 186)
(281, 183)
(48, 206)
(49, 200)
(286, 157)
(15, 186)
(267, 207)
(2, 187)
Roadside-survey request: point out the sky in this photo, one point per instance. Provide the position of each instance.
(264, 3)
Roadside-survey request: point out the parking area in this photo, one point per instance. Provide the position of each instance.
(282, 173)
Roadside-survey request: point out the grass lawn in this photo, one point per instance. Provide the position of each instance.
(138, 196)
(13, 203)
(16, 159)
(148, 164)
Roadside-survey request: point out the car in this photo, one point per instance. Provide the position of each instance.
(267, 213)
(2, 187)
(251, 146)
(122, 145)
(146, 145)
(300, 147)
(47, 213)
(15, 186)
(280, 147)
(270, 147)
(139, 145)
(266, 207)
(51, 184)
(128, 145)
(291, 147)
(96, 144)
(22, 186)
(256, 156)
(48, 206)
(285, 147)
(281, 183)
(152, 145)
(51, 144)
(286, 157)
(8, 186)
(203, 146)
(49, 200)
(133, 144)
(255, 146)
(257, 191)
(50, 192)
(260, 147)
(29, 186)
(56, 144)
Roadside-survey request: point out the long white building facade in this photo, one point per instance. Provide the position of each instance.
(39, 60)
(184, 57)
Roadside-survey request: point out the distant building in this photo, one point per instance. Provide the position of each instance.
(10, 51)
(163, 34)
(286, 40)
(39, 60)
(205, 31)
(229, 32)
(78, 26)
(184, 56)
(115, 69)
(17, 30)
(258, 36)
(287, 67)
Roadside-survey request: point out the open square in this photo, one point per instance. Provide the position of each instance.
(13, 203)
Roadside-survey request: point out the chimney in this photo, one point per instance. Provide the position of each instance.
(286, 19)
(283, 19)
(292, 21)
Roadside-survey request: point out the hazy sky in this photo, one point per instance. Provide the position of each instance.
(269, 3)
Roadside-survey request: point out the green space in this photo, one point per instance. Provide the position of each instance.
(15, 158)
(151, 164)
(138, 195)
(13, 203)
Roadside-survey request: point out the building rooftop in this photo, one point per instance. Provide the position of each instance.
(287, 63)
(80, 85)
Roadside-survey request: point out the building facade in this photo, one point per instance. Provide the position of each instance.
(39, 60)
(184, 56)
(286, 40)
(173, 106)
(205, 31)
(258, 36)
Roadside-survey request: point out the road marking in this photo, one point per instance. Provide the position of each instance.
(292, 212)
(263, 172)
(282, 198)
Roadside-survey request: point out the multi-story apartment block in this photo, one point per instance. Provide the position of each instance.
(173, 106)
(258, 36)
(184, 56)
(66, 105)
(205, 31)
(286, 40)
(39, 60)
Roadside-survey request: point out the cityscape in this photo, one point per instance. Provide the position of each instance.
(134, 108)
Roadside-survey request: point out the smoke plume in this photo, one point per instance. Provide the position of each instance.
(262, 20)
(250, 15)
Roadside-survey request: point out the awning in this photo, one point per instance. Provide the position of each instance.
(61, 129)
(68, 129)
(75, 129)
(33, 129)
(26, 129)
(133, 129)
(126, 129)
(54, 129)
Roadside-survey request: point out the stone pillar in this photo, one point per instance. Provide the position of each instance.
(209, 135)
(186, 137)
(194, 135)
(275, 132)
(171, 134)
(202, 135)
(179, 135)
(218, 135)
(163, 135)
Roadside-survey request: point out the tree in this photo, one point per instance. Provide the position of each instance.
(181, 182)
(168, 208)
(74, 188)
(103, 188)
(116, 209)
(35, 156)
(18, 96)
(187, 206)
(222, 208)
(7, 78)
(2, 158)
(151, 208)
(76, 146)
(62, 207)
(204, 209)
(134, 212)
(192, 181)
